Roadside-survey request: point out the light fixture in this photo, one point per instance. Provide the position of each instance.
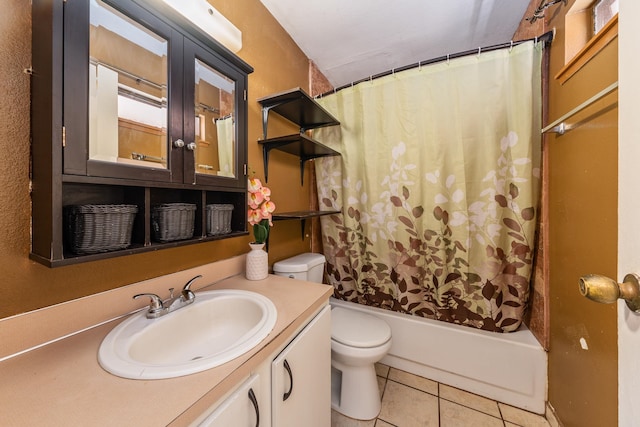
(209, 20)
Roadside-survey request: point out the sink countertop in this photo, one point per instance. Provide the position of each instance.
(62, 383)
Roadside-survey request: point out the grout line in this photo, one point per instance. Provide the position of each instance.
(500, 417)
(439, 410)
(407, 385)
(476, 409)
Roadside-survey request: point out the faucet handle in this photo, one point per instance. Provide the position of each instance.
(187, 294)
(155, 304)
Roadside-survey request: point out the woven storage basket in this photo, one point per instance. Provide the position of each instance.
(173, 221)
(98, 228)
(219, 219)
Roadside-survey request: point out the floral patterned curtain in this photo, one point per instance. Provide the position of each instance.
(438, 187)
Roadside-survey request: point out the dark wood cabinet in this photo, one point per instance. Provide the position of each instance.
(160, 146)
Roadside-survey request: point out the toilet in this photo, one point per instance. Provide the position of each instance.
(358, 341)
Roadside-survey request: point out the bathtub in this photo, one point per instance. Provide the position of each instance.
(510, 368)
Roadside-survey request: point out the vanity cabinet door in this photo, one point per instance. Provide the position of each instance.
(241, 409)
(301, 377)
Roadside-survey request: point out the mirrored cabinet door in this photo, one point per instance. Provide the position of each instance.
(128, 82)
(118, 62)
(216, 93)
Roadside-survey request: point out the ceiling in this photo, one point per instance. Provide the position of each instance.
(352, 39)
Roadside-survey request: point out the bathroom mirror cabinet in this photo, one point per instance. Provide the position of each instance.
(134, 106)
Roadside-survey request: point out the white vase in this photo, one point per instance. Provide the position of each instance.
(257, 262)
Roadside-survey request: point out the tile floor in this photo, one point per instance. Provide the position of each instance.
(412, 401)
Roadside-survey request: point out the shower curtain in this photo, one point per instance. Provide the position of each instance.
(225, 130)
(437, 184)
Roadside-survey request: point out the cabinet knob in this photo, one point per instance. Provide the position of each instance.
(191, 146)
(178, 143)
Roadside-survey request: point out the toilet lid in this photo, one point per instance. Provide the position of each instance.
(357, 329)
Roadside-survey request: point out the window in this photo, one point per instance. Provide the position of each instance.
(603, 11)
(589, 26)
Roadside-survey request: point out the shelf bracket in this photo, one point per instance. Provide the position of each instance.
(265, 162)
(302, 224)
(302, 162)
(265, 118)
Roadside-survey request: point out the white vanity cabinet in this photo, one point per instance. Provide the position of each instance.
(292, 387)
(301, 377)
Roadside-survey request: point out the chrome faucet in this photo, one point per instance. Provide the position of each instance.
(158, 307)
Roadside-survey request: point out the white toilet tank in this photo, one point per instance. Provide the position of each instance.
(307, 266)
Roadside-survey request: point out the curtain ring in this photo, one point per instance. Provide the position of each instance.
(419, 65)
(448, 57)
(511, 47)
(535, 42)
(479, 50)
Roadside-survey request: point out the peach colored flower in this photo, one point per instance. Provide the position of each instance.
(260, 209)
(255, 199)
(255, 216)
(254, 185)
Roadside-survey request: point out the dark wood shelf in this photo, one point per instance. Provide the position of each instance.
(70, 258)
(298, 107)
(302, 216)
(299, 145)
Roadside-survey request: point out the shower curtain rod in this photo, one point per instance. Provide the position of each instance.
(547, 38)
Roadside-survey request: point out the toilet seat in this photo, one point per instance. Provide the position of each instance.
(359, 330)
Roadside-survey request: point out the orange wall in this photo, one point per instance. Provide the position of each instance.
(25, 285)
(582, 207)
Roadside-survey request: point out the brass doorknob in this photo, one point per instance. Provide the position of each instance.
(605, 290)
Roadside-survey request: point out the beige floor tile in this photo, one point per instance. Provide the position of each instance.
(339, 420)
(508, 424)
(381, 383)
(470, 400)
(407, 407)
(381, 423)
(454, 415)
(521, 417)
(382, 370)
(414, 381)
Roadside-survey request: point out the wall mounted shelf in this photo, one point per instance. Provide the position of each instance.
(299, 108)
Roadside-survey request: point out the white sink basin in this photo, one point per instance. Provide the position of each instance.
(218, 327)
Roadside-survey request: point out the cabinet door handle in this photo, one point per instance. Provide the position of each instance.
(288, 368)
(252, 398)
(178, 143)
(191, 146)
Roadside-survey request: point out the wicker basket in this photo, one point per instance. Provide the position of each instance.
(173, 221)
(92, 229)
(219, 219)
